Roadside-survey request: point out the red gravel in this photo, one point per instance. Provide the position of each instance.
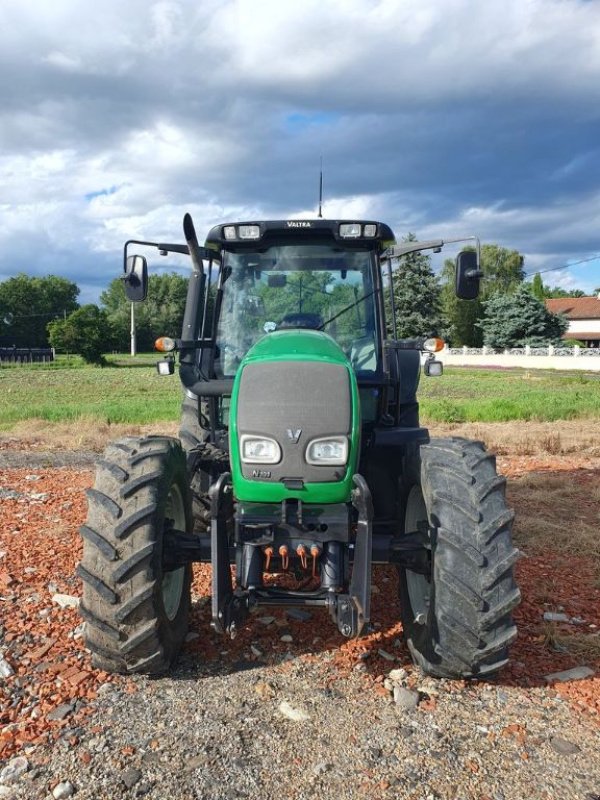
(41, 543)
(40, 548)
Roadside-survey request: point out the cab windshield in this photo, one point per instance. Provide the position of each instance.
(318, 287)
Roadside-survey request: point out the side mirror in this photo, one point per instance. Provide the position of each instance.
(468, 275)
(136, 278)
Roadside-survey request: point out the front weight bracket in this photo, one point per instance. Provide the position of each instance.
(353, 611)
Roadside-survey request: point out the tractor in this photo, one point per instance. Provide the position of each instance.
(300, 460)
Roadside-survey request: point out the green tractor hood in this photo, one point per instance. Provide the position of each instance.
(295, 420)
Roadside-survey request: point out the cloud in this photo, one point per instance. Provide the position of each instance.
(439, 118)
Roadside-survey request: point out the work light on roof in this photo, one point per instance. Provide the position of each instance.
(350, 230)
(248, 232)
(370, 230)
(229, 232)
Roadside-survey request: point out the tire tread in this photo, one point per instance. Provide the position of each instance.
(474, 593)
(126, 628)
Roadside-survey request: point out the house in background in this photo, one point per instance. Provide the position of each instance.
(583, 314)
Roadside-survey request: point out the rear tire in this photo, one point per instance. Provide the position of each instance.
(136, 614)
(458, 624)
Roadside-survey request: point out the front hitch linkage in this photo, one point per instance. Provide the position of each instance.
(230, 607)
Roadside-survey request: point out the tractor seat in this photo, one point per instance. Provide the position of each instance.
(314, 321)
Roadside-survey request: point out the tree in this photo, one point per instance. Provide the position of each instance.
(537, 287)
(543, 292)
(27, 304)
(503, 272)
(519, 319)
(557, 291)
(503, 268)
(416, 296)
(86, 332)
(160, 315)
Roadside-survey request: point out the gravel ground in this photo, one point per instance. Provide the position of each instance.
(266, 717)
(213, 733)
(43, 459)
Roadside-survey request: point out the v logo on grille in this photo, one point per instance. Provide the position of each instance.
(294, 436)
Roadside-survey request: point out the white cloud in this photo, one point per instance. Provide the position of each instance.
(552, 235)
(412, 50)
(439, 118)
(63, 61)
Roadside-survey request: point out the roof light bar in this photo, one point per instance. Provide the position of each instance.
(243, 232)
(356, 230)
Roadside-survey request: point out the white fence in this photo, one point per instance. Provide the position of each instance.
(565, 358)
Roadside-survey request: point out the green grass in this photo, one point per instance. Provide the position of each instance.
(128, 390)
(473, 395)
(131, 391)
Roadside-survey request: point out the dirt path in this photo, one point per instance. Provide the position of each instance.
(215, 728)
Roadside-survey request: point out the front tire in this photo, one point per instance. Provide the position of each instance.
(458, 622)
(191, 432)
(136, 613)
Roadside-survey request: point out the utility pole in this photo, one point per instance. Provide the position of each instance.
(133, 347)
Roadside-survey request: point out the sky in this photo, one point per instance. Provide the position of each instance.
(445, 119)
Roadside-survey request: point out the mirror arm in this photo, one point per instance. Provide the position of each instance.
(183, 249)
(397, 251)
(173, 248)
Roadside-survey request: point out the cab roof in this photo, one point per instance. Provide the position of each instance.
(349, 232)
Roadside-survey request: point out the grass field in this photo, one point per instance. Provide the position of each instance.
(131, 391)
(474, 395)
(121, 392)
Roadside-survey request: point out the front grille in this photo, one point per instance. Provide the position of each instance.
(280, 396)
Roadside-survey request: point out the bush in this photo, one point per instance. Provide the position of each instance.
(86, 332)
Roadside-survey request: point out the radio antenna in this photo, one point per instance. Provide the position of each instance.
(320, 215)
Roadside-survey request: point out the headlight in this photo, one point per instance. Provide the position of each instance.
(259, 450)
(332, 451)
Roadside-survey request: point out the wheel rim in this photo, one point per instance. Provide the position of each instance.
(172, 582)
(418, 586)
